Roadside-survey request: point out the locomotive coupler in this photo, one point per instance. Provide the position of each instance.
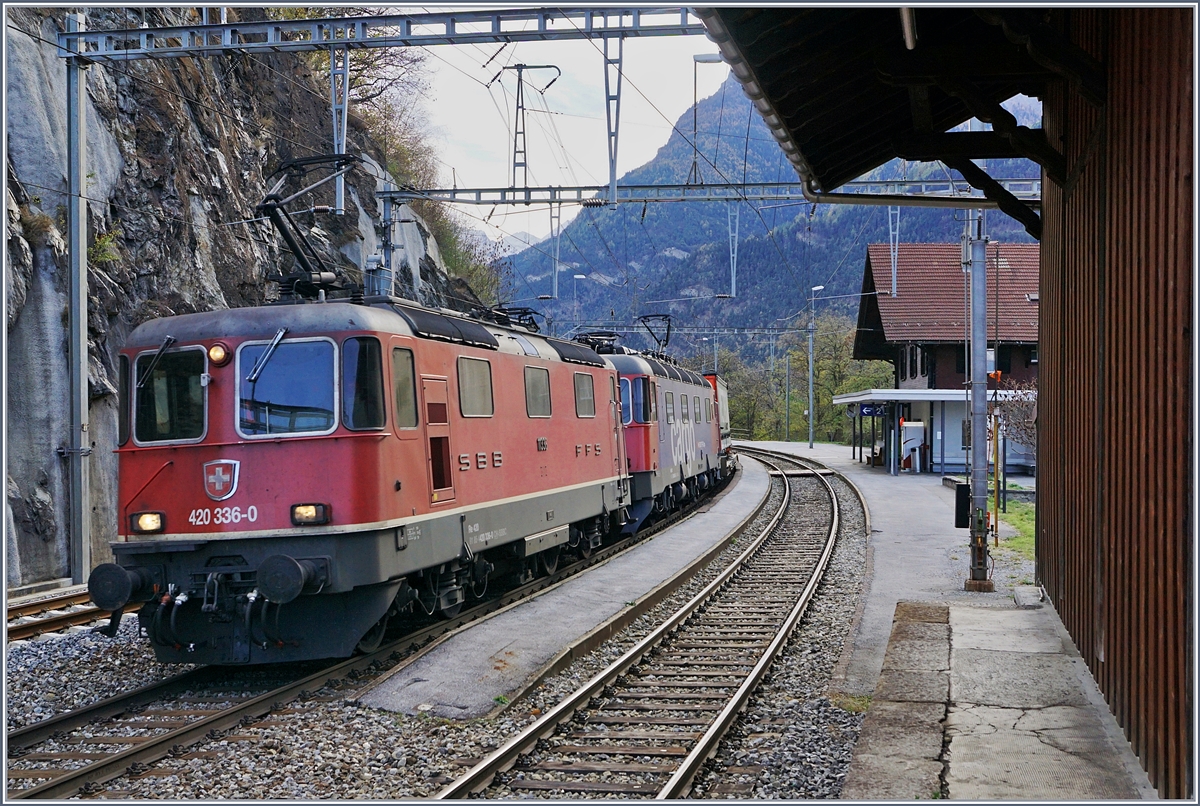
(212, 592)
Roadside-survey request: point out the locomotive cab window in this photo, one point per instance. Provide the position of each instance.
(475, 387)
(404, 386)
(652, 400)
(626, 401)
(537, 391)
(123, 401)
(642, 397)
(670, 407)
(585, 395)
(362, 384)
(170, 403)
(293, 392)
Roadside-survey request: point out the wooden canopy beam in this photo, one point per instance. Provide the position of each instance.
(1007, 202)
(1053, 51)
(1024, 140)
(973, 145)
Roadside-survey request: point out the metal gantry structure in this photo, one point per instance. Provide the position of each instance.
(81, 48)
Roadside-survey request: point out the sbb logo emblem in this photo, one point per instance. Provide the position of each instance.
(221, 478)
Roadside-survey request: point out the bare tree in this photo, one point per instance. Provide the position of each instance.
(376, 74)
(1018, 412)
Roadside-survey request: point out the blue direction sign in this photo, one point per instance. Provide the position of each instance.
(867, 410)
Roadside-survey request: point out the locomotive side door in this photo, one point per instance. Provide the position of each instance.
(437, 443)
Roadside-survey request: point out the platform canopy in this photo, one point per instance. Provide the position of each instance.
(845, 90)
(918, 396)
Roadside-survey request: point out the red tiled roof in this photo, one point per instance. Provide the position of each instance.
(929, 305)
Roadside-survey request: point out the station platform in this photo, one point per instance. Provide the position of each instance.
(982, 692)
(476, 667)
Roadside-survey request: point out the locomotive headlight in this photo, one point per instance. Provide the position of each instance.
(147, 522)
(218, 354)
(310, 514)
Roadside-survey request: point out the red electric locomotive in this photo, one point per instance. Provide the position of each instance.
(292, 476)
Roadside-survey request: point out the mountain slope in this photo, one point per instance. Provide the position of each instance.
(635, 255)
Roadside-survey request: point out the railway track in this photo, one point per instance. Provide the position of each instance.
(75, 752)
(30, 619)
(644, 726)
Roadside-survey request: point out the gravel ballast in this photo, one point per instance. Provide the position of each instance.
(325, 748)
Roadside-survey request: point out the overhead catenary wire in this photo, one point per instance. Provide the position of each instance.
(771, 235)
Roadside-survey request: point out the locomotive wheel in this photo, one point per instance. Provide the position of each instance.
(450, 612)
(374, 637)
(548, 560)
(585, 547)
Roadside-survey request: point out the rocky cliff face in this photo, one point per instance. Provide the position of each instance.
(179, 154)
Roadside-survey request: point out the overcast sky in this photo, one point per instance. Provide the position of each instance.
(566, 145)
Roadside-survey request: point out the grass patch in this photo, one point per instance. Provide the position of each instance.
(854, 703)
(1020, 516)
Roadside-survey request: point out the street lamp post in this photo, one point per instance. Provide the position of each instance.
(578, 277)
(715, 340)
(694, 177)
(812, 326)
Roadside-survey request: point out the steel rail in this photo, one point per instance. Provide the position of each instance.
(158, 747)
(482, 774)
(45, 624)
(36, 606)
(681, 781)
(112, 706)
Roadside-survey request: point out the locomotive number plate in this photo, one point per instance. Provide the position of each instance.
(205, 516)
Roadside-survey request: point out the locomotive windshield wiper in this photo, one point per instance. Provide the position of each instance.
(167, 342)
(261, 363)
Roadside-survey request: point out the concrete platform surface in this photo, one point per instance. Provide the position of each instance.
(975, 696)
(464, 675)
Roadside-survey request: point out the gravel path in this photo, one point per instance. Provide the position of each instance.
(323, 748)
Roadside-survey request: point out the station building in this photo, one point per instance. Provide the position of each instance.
(919, 326)
(844, 90)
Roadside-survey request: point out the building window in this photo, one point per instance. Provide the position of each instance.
(902, 364)
(1032, 356)
(585, 398)
(475, 387)
(1004, 359)
(537, 391)
(912, 360)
